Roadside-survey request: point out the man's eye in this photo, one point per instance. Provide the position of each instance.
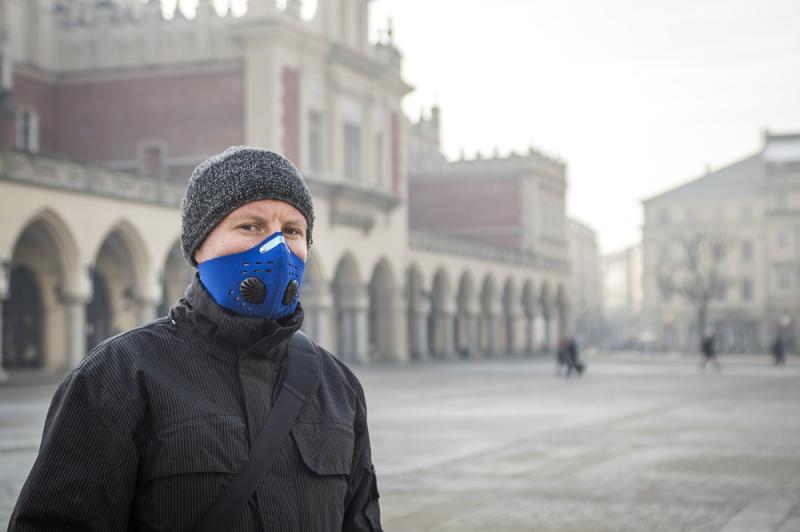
(248, 227)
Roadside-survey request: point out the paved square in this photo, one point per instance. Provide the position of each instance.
(638, 444)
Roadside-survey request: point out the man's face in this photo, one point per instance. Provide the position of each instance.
(250, 224)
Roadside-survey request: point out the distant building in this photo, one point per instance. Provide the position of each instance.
(586, 285)
(512, 204)
(753, 208)
(622, 299)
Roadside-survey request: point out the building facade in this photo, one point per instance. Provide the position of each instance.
(622, 300)
(748, 217)
(512, 204)
(107, 108)
(586, 284)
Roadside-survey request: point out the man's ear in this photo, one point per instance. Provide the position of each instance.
(197, 253)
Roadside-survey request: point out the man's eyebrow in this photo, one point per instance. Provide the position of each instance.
(297, 220)
(247, 215)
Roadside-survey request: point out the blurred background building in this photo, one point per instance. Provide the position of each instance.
(729, 240)
(107, 106)
(622, 300)
(586, 284)
(508, 209)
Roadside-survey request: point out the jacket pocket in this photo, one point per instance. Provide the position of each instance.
(214, 444)
(184, 468)
(325, 448)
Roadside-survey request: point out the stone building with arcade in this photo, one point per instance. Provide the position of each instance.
(107, 105)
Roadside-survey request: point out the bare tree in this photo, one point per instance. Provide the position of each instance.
(697, 274)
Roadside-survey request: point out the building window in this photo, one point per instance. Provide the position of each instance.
(27, 130)
(746, 214)
(783, 240)
(664, 254)
(691, 215)
(352, 151)
(747, 251)
(719, 215)
(722, 292)
(664, 217)
(747, 290)
(666, 296)
(154, 163)
(315, 144)
(380, 163)
(785, 281)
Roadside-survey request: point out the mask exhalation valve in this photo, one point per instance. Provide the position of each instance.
(253, 290)
(291, 292)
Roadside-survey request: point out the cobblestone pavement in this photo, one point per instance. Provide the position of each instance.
(638, 444)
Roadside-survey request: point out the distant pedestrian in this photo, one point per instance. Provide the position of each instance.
(779, 352)
(568, 358)
(562, 357)
(573, 358)
(709, 349)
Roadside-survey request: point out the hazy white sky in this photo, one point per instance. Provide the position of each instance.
(636, 95)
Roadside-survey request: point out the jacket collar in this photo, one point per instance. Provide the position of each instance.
(232, 336)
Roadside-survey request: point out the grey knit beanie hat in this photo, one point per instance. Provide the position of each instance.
(233, 178)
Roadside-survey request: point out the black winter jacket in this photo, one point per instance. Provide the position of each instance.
(147, 431)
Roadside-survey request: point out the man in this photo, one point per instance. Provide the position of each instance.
(148, 430)
(779, 351)
(709, 348)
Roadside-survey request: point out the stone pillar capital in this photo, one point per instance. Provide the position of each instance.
(74, 295)
(354, 296)
(77, 288)
(150, 296)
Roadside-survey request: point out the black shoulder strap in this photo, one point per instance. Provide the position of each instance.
(302, 377)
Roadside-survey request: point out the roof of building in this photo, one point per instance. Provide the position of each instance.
(740, 179)
(782, 148)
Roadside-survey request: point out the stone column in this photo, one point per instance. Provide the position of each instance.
(530, 335)
(318, 308)
(548, 336)
(493, 322)
(400, 345)
(75, 296)
(565, 326)
(419, 330)
(4, 289)
(262, 125)
(3, 375)
(361, 333)
(75, 305)
(511, 321)
(448, 329)
(466, 341)
(148, 297)
(473, 335)
(316, 321)
(554, 338)
(147, 309)
(353, 323)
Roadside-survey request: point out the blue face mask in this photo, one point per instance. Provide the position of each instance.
(261, 282)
